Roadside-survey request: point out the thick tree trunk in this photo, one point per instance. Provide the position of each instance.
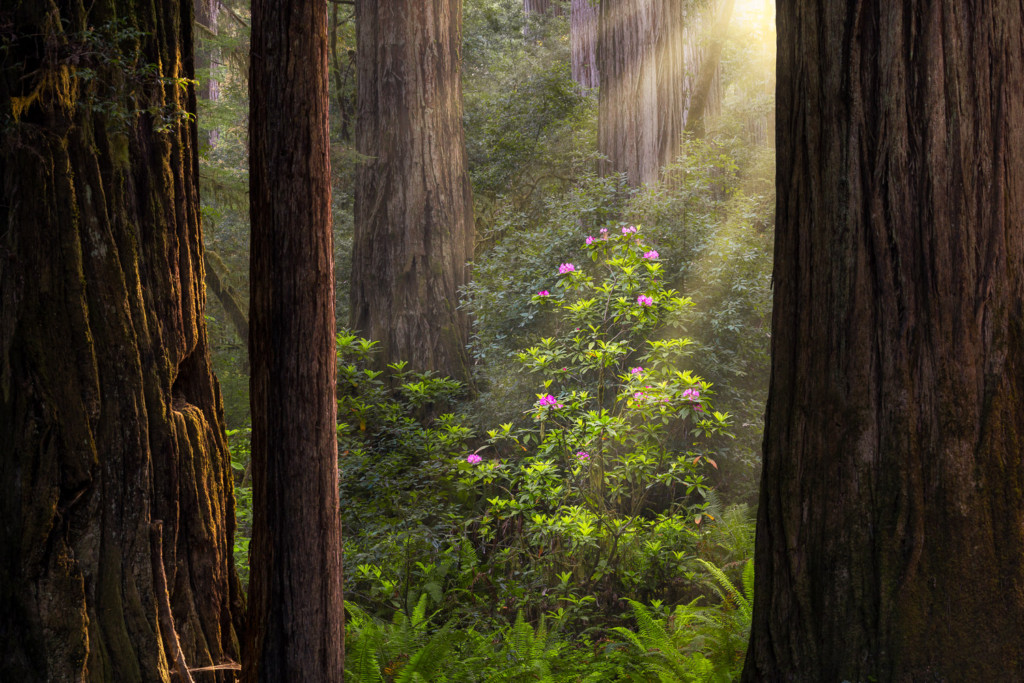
(413, 202)
(627, 132)
(891, 524)
(583, 19)
(655, 77)
(109, 414)
(296, 617)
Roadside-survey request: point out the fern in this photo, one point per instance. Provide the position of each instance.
(728, 591)
(404, 651)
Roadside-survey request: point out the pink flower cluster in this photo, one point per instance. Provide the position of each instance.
(566, 268)
(645, 300)
(582, 455)
(590, 240)
(652, 254)
(548, 400)
(473, 459)
(693, 395)
(543, 292)
(630, 229)
(636, 371)
(604, 233)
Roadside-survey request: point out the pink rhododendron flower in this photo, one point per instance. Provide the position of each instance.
(652, 254)
(692, 394)
(549, 400)
(543, 292)
(473, 459)
(636, 371)
(566, 268)
(590, 240)
(582, 455)
(645, 300)
(626, 231)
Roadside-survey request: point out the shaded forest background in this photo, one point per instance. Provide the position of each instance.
(427, 533)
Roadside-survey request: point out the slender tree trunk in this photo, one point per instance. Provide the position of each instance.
(110, 416)
(891, 525)
(296, 624)
(413, 203)
(206, 15)
(583, 19)
(226, 295)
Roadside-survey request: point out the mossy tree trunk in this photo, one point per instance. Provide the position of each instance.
(296, 628)
(110, 417)
(890, 532)
(413, 202)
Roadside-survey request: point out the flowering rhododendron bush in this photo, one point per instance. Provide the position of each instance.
(602, 493)
(597, 496)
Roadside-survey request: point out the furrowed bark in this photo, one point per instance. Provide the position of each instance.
(891, 522)
(110, 415)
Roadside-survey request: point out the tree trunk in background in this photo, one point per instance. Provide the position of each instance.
(296, 623)
(708, 74)
(413, 202)
(552, 7)
(206, 15)
(654, 76)
(109, 414)
(671, 69)
(891, 521)
(583, 39)
(627, 132)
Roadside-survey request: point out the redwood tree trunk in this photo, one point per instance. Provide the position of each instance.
(583, 19)
(552, 7)
(110, 418)
(296, 617)
(891, 523)
(655, 78)
(627, 132)
(413, 203)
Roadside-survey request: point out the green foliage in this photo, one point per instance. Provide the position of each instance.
(601, 492)
(239, 445)
(398, 505)
(693, 643)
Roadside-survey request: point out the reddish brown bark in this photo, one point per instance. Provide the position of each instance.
(891, 525)
(296, 616)
(109, 414)
(413, 202)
